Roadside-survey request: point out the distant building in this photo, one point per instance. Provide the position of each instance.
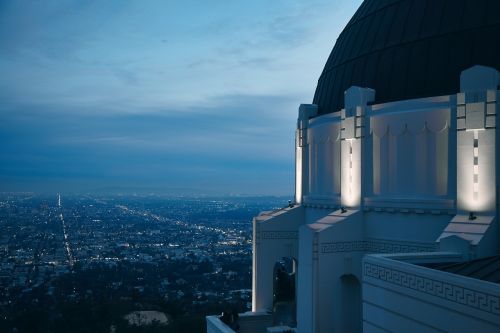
(395, 226)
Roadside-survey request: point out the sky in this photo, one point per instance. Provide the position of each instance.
(174, 97)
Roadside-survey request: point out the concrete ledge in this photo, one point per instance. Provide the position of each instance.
(255, 322)
(393, 288)
(250, 322)
(215, 325)
(411, 204)
(285, 211)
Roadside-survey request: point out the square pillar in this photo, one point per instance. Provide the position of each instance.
(476, 137)
(355, 130)
(306, 111)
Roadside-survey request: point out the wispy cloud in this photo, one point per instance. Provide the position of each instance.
(173, 93)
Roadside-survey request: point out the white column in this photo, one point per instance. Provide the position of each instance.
(476, 136)
(355, 129)
(307, 278)
(306, 111)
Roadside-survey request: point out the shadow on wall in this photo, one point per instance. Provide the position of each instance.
(352, 308)
(284, 287)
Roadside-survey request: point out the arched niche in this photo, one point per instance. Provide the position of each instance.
(284, 292)
(352, 305)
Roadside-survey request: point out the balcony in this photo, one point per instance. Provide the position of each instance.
(249, 322)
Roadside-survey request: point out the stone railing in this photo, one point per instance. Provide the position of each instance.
(250, 322)
(215, 325)
(396, 279)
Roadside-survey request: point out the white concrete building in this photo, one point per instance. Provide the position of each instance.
(395, 225)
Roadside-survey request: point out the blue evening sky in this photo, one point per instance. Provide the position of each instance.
(196, 97)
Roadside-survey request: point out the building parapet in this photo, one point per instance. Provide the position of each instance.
(250, 322)
(393, 285)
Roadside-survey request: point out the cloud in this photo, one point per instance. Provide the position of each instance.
(126, 76)
(107, 56)
(178, 148)
(190, 94)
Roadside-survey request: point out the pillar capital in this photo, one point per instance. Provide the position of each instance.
(306, 111)
(479, 78)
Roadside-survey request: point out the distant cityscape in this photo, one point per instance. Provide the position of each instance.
(124, 263)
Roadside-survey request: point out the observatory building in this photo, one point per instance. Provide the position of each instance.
(395, 222)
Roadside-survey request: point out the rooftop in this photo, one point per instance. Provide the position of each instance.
(486, 269)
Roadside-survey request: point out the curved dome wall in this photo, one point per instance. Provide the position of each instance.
(410, 49)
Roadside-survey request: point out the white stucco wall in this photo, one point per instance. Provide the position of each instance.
(275, 235)
(401, 169)
(403, 297)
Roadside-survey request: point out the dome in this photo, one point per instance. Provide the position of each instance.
(408, 49)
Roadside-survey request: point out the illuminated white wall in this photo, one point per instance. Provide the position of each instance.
(408, 172)
(476, 137)
(355, 125)
(410, 152)
(298, 175)
(275, 235)
(403, 297)
(351, 172)
(306, 111)
(324, 159)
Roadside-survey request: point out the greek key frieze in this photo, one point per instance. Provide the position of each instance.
(342, 247)
(279, 234)
(379, 246)
(375, 246)
(444, 290)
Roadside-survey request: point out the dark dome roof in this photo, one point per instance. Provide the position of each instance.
(409, 49)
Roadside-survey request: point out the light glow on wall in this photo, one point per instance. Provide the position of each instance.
(350, 167)
(475, 171)
(351, 173)
(475, 176)
(298, 175)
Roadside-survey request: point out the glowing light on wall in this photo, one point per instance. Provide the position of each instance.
(350, 167)
(475, 181)
(298, 175)
(476, 135)
(475, 173)
(351, 173)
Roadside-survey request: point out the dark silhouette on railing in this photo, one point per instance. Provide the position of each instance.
(231, 319)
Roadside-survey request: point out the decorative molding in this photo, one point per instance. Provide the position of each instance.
(279, 235)
(408, 129)
(377, 246)
(322, 139)
(389, 246)
(448, 291)
(433, 205)
(322, 201)
(334, 247)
